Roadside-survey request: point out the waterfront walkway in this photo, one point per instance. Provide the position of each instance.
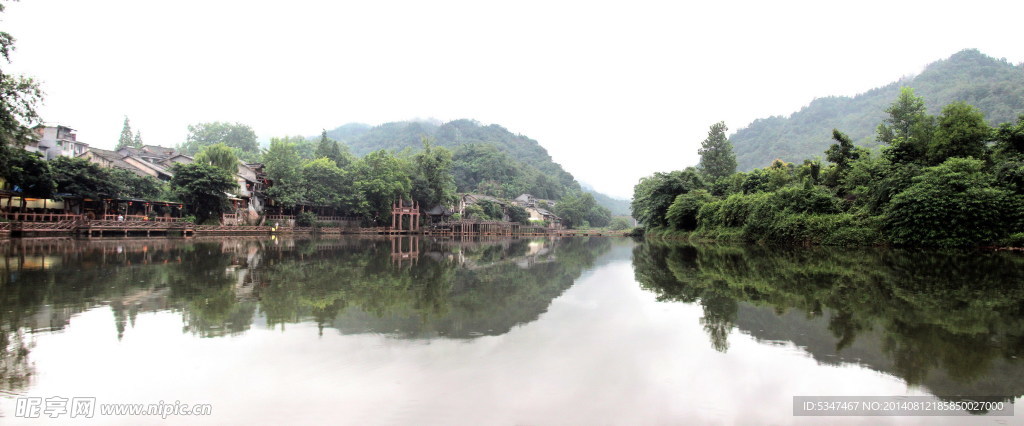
(103, 228)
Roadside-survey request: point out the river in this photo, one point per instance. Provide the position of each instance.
(415, 330)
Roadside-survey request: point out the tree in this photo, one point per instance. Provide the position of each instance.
(382, 179)
(77, 176)
(137, 142)
(961, 132)
(1010, 138)
(283, 167)
(329, 148)
(518, 214)
(907, 130)
(432, 180)
(324, 183)
(19, 96)
(580, 209)
(952, 204)
(841, 153)
(202, 188)
(654, 194)
(126, 136)
(27, 172)
(682, 214)
(131, 185)
(220, 156)
(235, 135)
(716, 157)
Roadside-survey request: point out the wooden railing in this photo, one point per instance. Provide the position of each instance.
(38, 217)
(48, 226)
(135, 224)
(143, 218)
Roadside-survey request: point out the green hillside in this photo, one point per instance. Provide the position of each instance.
(995, 86)
(488, 159)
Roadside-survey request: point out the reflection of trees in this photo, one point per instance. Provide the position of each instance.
(953, 321)
(455, 289)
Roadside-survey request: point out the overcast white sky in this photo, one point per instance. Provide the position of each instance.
(614, 91)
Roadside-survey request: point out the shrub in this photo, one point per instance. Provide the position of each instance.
(305, 219)
(619, 223)
(682, 214)
(952, 204)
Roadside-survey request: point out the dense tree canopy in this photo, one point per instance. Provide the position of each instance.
(936, 181)
(218, 155)
(580, 209)
(654, 194)
(235, 135)
(77, 176)
(381, 178)
(27, 172)
(203, 189)
(432, 180)
(283, 166)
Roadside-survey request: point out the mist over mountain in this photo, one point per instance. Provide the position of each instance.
(995, 86)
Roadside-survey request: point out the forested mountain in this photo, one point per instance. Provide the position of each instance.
(487, 159)
(995, 86)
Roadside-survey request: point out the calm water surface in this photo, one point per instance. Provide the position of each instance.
(569, 331)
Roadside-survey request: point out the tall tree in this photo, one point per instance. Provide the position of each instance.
(329, 148)
(381, 178)
(716, 157)
(202, 188)
(236, 135)
(907, 130)
(283, 167)
(432, 180)
(961, 132)
(219, 155)
(841, 153)
(19, 96)
(126, 135)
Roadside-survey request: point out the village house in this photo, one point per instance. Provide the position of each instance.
(537, 213)
(55, 141)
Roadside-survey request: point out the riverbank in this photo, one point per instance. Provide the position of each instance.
(803, 236)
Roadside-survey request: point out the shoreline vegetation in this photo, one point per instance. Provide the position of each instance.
(935, 181)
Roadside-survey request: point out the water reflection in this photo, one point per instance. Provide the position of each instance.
(952, 322)
(405, 287)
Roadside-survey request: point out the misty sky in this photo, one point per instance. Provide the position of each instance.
(614, 91)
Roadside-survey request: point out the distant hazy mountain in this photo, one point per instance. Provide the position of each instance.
(363, 139)
(995, 86)
(618, 207)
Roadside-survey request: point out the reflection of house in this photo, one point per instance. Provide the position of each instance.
(56, 141)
